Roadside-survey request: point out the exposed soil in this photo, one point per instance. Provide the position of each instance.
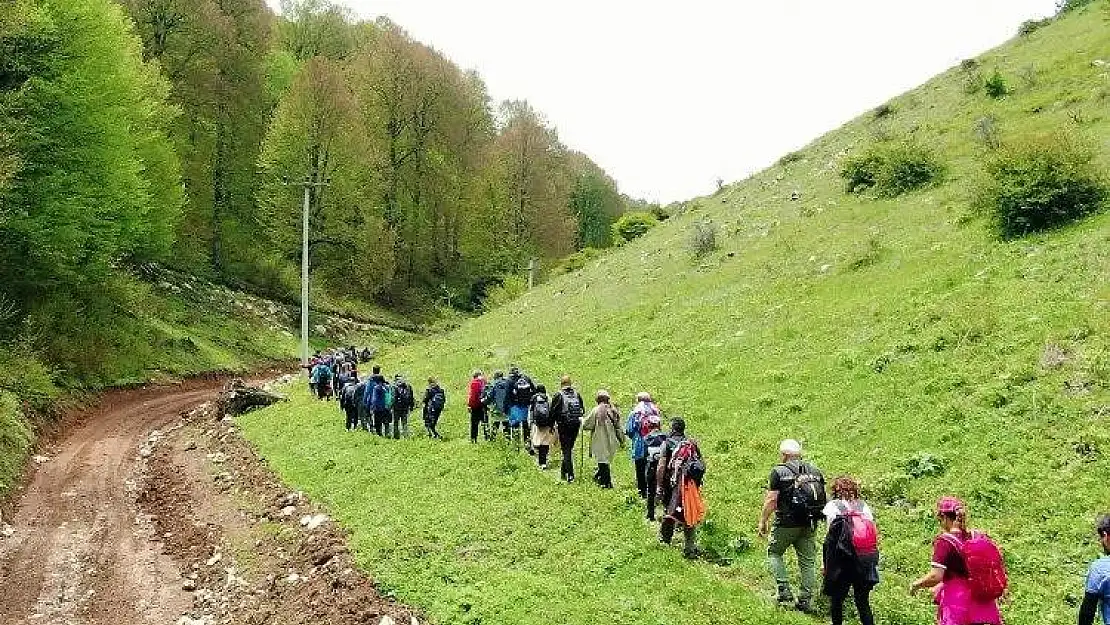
(152, 510)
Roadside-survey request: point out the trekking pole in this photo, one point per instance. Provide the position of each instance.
(581, 451)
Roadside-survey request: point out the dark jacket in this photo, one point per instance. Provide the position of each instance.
(431, 392)
(501, 395)
(403, 402)
(559, 408)
(518, 397)
(842, 566)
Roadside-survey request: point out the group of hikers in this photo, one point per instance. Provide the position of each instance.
(966, 573)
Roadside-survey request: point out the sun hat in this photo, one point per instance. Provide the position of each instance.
(949, 505)
(790, 447)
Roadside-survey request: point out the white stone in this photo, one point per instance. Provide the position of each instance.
(214, 559)
(6, 531)
(313, 522)
(288, 510)
(39, 459)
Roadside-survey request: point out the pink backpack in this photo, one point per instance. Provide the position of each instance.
(865, 535)
(986, 571)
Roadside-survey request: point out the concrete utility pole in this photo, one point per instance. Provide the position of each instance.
(309, 184)
(531, 273)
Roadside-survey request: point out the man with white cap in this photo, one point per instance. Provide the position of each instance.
(795, 495)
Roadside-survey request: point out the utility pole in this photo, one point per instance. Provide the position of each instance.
(309, 184)
(531, 273)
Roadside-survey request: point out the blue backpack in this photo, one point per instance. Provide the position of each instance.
(378, 399)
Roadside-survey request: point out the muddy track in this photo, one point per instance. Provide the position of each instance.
(150, 510)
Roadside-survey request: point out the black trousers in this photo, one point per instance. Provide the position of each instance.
(477, 417)
(382, 420)
(666, 534)
(641, 477)
(861, 592)
(543, 450)
(568, 435)
(649, 473)
(603, 477)
(352, 418)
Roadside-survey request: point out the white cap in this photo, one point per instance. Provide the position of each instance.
(790, 447)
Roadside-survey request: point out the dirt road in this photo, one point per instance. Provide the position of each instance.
(107, 533)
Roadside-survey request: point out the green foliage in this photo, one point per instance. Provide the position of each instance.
(633, 225)
(576, 261)
(1066, 6)
(995, 86)
(892, 168)
(883, 110)
(510, 288)
(1041, 183)
(924, 464)
(703, 238)
(15, 441)
(596, 202)
(1028, 27)
(791, 157)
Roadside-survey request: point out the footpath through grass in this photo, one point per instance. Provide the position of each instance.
(897, 338)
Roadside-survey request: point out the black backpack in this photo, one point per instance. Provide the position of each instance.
(402, 396)
(572, 404)
(438, 401)
(522, 391)
(805, 494)
(541, 412)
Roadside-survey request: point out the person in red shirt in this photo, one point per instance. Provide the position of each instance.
(477, 408)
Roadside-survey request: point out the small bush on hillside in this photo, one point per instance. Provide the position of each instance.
(1040, 184)
(892, 169)
(576, 261)
(883, 110)
(996, 85)
(924, 464)
(510, 288)
(718, 542)
(987, 133)
(632, 226)
(1063, 6)
(703, 240)
(1028, 27)
(791, 157)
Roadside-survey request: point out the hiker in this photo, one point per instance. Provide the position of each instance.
(404, 400)
(642, 421)
(379, 401)
(477, 407)
(1098, 579)
(678, 484)
(654, 444)
(435, 400)
(521, 390)
(604, 424)
(567, 408)
(966, 570)
(796, 497)
(543, 425)
(850, 559)
(365, 416)
(497, 399)
(348, 406)
(321, 380)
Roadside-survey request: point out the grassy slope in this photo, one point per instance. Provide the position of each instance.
(870, 329)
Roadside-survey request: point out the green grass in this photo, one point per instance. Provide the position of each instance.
(873, 329)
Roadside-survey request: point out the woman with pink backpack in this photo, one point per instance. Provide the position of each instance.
(850, 556)
(967, 572)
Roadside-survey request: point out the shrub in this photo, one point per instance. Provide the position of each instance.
(718, 542)
(1028, 27)
(511, 287)
(892, 169)
(791, 157)
(576, 261)
(633, 225)
(1040, 184)
(1063, 6)
(987, 133)
(996, 85)
(703, 240)
(924, 464)
(883, 110)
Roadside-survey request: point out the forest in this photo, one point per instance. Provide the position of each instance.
(181, 133)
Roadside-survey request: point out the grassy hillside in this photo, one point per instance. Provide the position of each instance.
(890, 335)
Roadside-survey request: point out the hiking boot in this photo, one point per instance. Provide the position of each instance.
(543, 467)
(785, 597)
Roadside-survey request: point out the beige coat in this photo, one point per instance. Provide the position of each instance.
(605, 423)
(543, 436)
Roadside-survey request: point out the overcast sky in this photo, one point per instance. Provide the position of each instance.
(669, 96)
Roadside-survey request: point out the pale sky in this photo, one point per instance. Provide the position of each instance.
(669, 96)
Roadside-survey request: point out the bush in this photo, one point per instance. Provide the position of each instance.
(1028, 27)
(511, 287)
(996, 85)
(987, 133)
(791, 157)
(1063, 6)
(883, 110)
(892, 169)
(576, 261)
(924, 464)
(1041, 184)
(632, 226)
(703, 241)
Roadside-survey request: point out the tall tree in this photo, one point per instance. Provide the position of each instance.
(316, 138)
(595, 201)
(311, 28)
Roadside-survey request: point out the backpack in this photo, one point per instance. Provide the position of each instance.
(402, 396)
(654, 443)
(389, 397)
(865, 535)
(522, 391)
(687, 456)
(986, 571)
(572, 404)
(541, 412)
(438, 401)
(806, 493)
(486, 398)
(378, 394)
(650, 419)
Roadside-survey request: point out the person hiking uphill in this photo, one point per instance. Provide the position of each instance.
(379, 401)
(435, 400)
(347, 403)
(1097, 590)
(404, 400)
(521, 389)
(497, 398)
(678, 484)
(567, 408)
(966, 570)
(476, 406)
(795, 496)
(850, 556)
(605, 424)
(642, 421)
(543, 425)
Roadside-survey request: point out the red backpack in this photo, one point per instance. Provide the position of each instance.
(986, 571)
(865, 535)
